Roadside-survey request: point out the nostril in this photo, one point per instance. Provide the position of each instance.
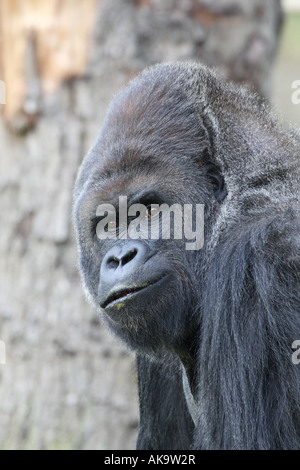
(112, 262)
(129, 256)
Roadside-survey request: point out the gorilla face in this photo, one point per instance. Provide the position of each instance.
(142, 286)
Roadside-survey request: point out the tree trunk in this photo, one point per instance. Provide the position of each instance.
(66, 382)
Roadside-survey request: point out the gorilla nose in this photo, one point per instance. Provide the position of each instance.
(127, 270)
(122, 261)
(116, 261)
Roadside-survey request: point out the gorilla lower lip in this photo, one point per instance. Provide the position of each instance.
(123, 294)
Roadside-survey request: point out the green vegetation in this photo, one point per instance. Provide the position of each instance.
(290, 40)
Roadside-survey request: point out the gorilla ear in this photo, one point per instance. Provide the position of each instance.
(217, 180)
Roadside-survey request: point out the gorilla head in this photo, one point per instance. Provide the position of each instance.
(179, 136)
(153, 149)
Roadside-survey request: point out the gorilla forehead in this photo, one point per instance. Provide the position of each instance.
(153, 121)
(152, 115)
(127, 175)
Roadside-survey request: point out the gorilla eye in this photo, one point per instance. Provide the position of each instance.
(151, 211)
(217, 181)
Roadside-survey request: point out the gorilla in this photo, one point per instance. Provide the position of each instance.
(212, 328)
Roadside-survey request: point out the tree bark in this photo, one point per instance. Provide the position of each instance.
(66, 382)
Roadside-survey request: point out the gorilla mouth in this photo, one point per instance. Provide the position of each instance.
(122, 294)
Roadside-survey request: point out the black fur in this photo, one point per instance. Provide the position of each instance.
(227, 314)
